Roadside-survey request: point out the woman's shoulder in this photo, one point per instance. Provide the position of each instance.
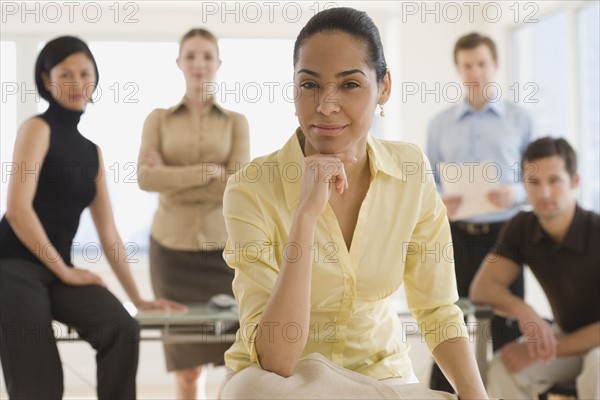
(154, 117)
(234, 115)
(33, 139)
(35, 128)
(261, 179)
(95, 149)
(401, 152)
(402, 159)
(158, 112)
(36, 123)
(260, 170)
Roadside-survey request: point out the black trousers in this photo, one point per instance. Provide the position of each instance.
(469, 252)
(31, 297)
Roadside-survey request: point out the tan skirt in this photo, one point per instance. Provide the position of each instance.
(190, 277)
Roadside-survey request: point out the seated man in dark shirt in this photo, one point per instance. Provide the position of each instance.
(560, 242)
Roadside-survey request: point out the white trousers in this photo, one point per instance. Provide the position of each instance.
(316, 377)
(583, 369)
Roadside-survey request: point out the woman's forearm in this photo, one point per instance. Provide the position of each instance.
(211, 192)
(112, 246)
(457, 361)
(289, 304)
(164, 178)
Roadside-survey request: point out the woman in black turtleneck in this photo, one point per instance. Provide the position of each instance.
(60, 173)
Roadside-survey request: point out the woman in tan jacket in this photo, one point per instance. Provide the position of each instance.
(188, 151)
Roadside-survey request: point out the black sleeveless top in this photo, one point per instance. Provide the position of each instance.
(66, 186)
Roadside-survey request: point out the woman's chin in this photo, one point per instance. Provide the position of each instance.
(73, 105)
(201, 84)
(328, 146)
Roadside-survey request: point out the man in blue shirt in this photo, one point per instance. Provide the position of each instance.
(486, 129)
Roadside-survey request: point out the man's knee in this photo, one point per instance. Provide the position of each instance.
(587, 382)
(497, 370)
(499, 376)
(592, 360)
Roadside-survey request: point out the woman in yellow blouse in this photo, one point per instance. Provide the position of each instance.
(187, 152)
(323, 231)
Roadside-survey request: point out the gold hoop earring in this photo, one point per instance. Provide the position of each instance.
(381, 113)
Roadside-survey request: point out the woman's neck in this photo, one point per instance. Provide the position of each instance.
(355, 171)
(198, 100)
(64, 115)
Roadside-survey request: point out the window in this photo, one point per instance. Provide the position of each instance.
(540, 73)
(556, 67)
(262, 70)
(135, 78)
(588, 38)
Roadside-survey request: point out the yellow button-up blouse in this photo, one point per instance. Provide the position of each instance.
(402, 236)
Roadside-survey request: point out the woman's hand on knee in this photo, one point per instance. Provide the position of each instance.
(80, 277)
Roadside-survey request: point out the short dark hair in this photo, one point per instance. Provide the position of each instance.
(548, 147)
(353, 22)
(473, 40)
(53, 53)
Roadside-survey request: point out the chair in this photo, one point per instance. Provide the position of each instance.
(560, 391)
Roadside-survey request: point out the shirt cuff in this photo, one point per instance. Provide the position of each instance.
(445, 323)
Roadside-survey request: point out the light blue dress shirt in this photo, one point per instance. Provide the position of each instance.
(498, 133)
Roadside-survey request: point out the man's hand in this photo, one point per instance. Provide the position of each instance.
(539, 338)
(452, 203)
(503, 197)
(516, 357)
